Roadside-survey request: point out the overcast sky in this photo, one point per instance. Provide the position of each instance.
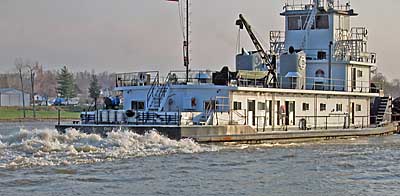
(134, 35)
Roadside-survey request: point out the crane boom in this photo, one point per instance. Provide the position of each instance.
(266, 59)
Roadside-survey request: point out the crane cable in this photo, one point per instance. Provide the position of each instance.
(182, 18)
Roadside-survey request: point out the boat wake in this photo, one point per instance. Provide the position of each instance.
(47, 147)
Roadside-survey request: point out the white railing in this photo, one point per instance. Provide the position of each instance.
(302, 5)
(315, 83)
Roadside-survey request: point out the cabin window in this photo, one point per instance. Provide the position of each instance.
(306, 106)
(359, 73)
(137, 105)
(322, 22)
(294, 23)
(339, 107)
(237, 105)
(261, 106)
(322, 107)
(358, 108)
(304, 23)
(321, 55)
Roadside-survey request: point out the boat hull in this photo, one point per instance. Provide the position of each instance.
(234, 133)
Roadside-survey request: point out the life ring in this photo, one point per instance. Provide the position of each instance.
(130, 113)
(194, 102)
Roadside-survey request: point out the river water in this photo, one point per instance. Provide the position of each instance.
(36, 160)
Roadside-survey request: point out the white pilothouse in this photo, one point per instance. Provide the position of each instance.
(315, 75)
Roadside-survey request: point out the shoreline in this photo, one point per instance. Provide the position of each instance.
(37, 120)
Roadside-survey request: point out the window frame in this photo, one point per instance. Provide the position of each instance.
(138, 105)
(320, 25)
(358, 107)
(322, 109)
(261, 106)
(359, 73)
(237, 105)
(306, 107)
(294, 23)
(339, 107)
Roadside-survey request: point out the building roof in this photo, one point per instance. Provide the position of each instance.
(8, 90)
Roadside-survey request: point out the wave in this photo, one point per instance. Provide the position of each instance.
(47, 147)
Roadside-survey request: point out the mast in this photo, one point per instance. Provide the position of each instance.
(186, 42)
(186, 32)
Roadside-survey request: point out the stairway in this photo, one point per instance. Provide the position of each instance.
(157, 95)
(380, 110)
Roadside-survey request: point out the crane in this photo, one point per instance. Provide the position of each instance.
(310, 21)
(268, 60)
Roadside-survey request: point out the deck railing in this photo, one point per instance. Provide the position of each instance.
(300, 5)
(195, 77)
(314, 83)
(136, 78)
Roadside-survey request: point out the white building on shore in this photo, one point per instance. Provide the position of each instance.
(10, 97)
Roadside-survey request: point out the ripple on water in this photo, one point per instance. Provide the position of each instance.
(65, 171)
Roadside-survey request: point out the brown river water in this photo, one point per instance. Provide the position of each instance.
(36, 160)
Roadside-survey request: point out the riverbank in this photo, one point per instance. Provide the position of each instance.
(16, 114)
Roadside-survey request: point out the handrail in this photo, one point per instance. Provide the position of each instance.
(162, 92)
(155, 83)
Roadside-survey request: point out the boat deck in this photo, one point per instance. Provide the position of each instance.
(235, 133)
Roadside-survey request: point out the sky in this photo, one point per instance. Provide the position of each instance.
(142, 35)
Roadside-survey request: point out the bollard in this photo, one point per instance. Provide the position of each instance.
(59, 116)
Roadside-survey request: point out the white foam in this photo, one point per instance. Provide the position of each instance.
(46, 147)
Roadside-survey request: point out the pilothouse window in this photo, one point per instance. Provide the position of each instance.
(294, 23)
(322, 21)
(300, 22)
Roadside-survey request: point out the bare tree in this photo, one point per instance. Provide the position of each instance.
(32, 70)
(19, 65)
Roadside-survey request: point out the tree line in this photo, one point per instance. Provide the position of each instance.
(389, 87)
(33, 79)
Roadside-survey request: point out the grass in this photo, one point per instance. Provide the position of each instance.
(42, 113)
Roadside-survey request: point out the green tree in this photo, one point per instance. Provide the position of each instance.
(65, 83)
(94, 90)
